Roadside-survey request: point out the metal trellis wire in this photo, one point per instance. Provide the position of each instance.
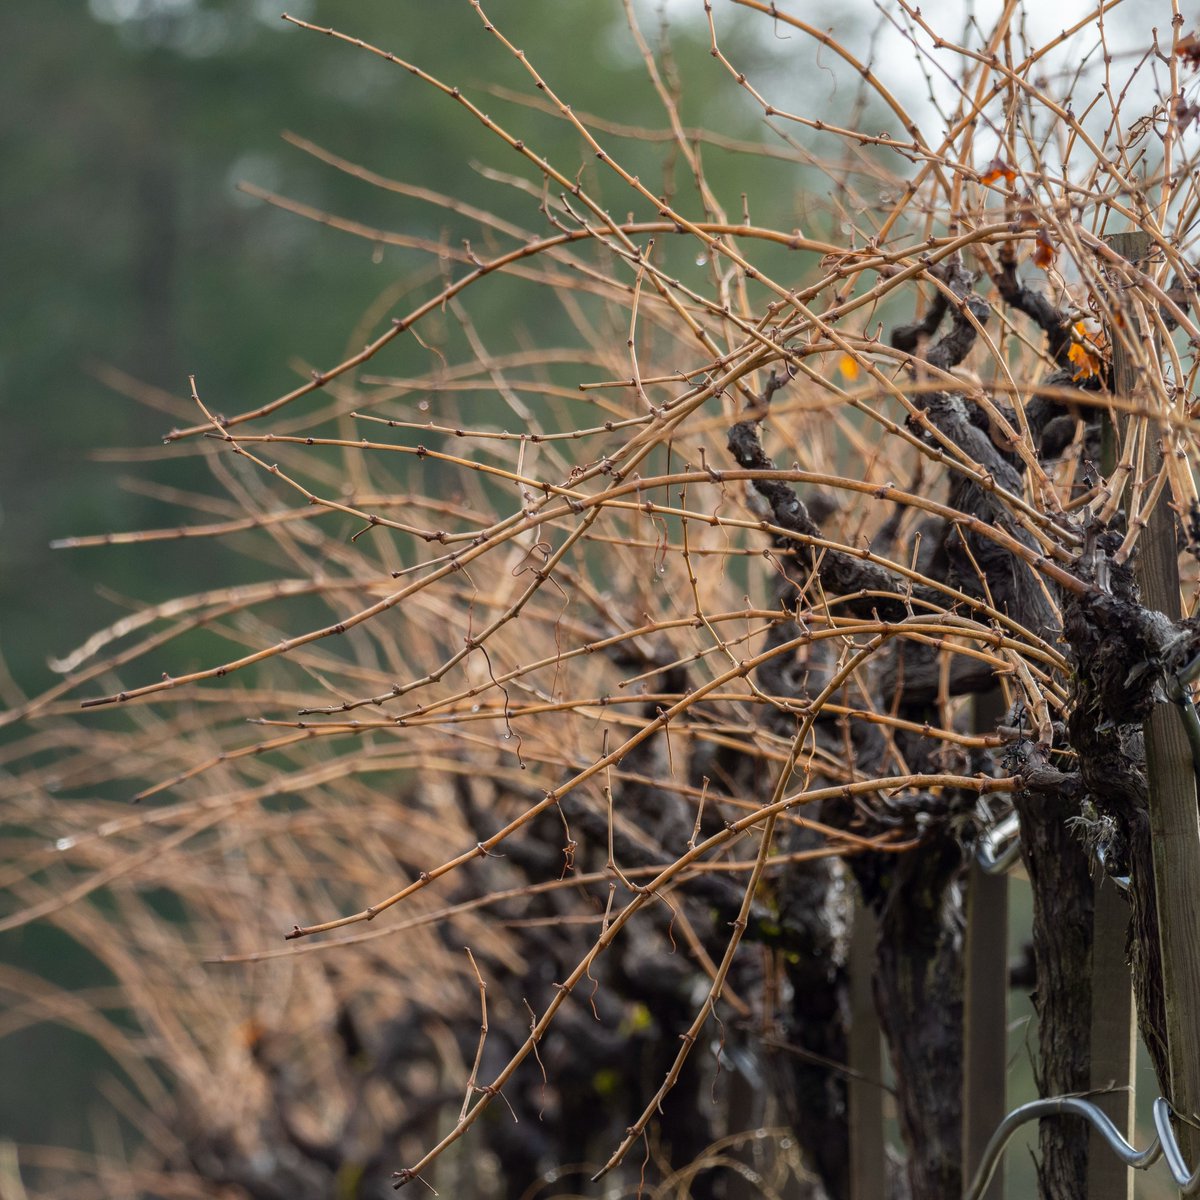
(997, 851)
(1163, 1145)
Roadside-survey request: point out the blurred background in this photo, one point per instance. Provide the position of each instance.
(132, 260)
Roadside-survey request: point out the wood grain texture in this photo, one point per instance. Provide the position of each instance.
(1174, 823)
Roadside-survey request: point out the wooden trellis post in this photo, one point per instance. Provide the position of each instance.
(985, 1020)
(868, 1153)
(985, 997)
(1171, 775)
(1113, 1040)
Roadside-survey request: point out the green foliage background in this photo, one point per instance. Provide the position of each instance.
(128, 124)
(125, 126)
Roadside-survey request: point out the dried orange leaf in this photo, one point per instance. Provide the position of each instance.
(1086, 355)
(1086, 364)
(1189, 50)
(1043, 251)
(848, 366)
(998, 169)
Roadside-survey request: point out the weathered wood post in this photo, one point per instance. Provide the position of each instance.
(1174, 821)
(985, 996)
(868, 1154)
(1113, 1040)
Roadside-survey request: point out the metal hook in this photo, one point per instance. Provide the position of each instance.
(1007, 834)
(1164, 1143)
